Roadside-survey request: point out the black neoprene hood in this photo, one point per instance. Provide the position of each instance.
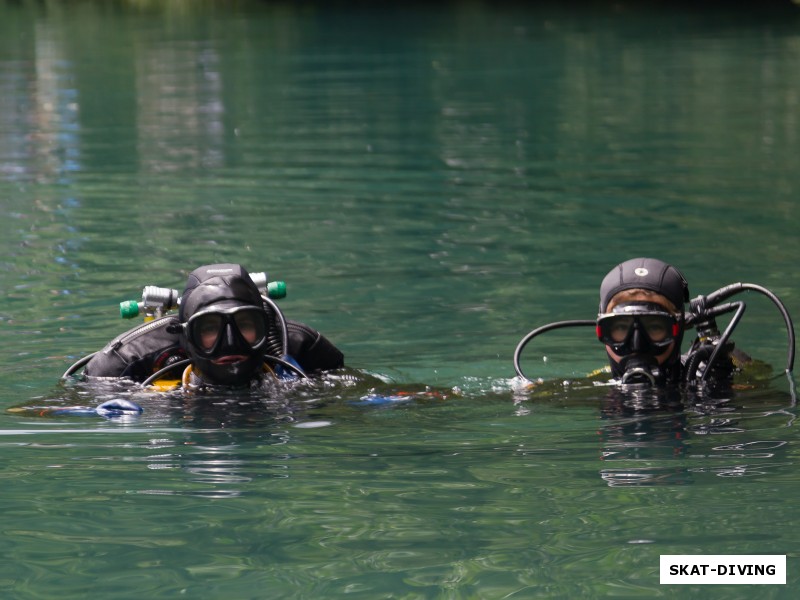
(218, 287)
(645, 273)
(227, 284)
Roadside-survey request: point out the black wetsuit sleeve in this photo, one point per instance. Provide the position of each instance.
(311, 349)
(139, 352)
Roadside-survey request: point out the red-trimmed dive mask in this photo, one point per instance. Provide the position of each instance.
(638, 328)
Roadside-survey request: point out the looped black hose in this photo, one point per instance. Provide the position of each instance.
(278, 334)
(786, 319)
(706, 304)
(726, 335)
(557, 325)
(700, 354)
(77, 365)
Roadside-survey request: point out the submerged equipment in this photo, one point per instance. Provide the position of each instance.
(242, 317)
(706, 360)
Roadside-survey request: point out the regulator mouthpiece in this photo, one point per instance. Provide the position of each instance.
(638, 375)
(639, 371)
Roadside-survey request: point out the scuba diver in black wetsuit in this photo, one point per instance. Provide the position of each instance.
(228, 332)
(642, 321)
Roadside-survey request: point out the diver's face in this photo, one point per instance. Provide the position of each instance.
(227, 344)
(653, 333)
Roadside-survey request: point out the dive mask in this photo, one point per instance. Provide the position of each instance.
(638, 328)
(209, 330)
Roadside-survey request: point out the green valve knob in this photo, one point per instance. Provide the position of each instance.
(129, 309)
(276, 289)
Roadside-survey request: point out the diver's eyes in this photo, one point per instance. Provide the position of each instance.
(250, 325)
(207, 330)
(619, 328)
(657, 328)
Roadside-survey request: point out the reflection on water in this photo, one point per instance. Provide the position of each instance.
(648, 431)
(421, 488)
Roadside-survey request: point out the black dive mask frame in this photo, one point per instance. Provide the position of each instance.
(225, 321)
(639, 328)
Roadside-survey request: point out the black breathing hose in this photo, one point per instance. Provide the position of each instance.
(77, 365)
(557, 325)
(278, 339)
(703, 305)
(723, 340)
(278, 336)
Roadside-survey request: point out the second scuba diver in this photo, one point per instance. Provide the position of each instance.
(642, 320)
(227, 333)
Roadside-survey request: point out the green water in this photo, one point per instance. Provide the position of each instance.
(432, 183)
